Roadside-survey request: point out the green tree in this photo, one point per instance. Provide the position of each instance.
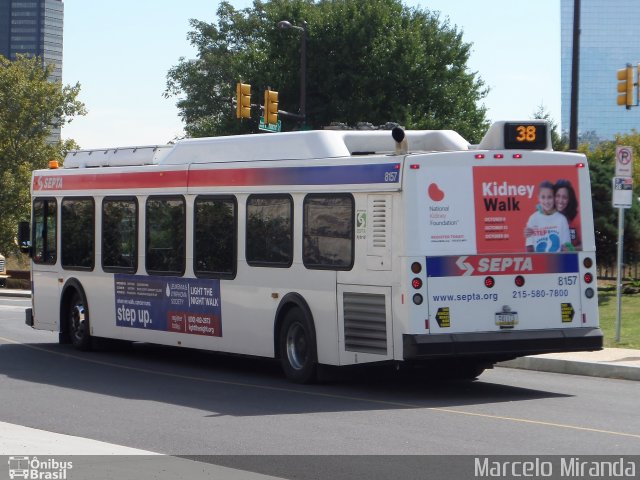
(558, 142)
(605, 216)
(368, 60)
(30, 105)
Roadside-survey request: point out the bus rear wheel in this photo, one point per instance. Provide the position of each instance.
(78, 322)
(298, 353)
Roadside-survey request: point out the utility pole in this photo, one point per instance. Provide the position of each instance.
(575, 78)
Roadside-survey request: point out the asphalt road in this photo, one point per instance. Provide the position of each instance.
(191, 403)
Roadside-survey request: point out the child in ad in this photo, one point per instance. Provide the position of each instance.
(547, 229)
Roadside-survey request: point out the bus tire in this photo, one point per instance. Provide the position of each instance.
(77, 321)
(298, 351)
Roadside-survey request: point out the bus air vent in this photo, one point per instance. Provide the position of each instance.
(379, 222)
(365, 323)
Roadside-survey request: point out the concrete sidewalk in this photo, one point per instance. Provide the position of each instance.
(620, 363)
(609, 363)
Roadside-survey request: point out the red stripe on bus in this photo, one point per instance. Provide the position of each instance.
(105, 181)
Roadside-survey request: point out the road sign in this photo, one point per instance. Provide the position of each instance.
(268, 127)
(622, 192)
(624, 162)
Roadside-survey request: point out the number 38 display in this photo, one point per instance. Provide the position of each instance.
(530, 136)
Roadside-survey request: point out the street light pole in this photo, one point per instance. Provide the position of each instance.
(285, 25)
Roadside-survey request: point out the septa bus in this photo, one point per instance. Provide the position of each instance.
(323, 248)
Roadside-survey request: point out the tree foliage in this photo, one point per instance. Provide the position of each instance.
(605, 216)
(558, 142)
(367, 61)
(30, 106)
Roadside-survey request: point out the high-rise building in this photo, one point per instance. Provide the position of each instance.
(33, 27)
(608, 41)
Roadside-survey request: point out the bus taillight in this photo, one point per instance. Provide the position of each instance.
(519, 281)
(588, 277)
(416, 283)
(416, 267)
(489, 282)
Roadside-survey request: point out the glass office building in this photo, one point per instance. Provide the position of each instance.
(609, 32)
(33, 27)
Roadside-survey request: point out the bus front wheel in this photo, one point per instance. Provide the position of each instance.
(298, 353)
(78, 322)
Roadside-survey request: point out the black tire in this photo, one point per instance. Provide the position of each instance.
(77, 319)
(298, 351)
(467, 370)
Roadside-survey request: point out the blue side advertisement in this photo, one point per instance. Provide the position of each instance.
(183, 305)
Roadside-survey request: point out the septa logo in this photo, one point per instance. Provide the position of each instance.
(494, 265)
(435, 193)
(48, 183)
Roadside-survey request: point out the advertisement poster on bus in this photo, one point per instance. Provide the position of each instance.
(526, 209)
(181, 305)
(490, 209)
(446, 209)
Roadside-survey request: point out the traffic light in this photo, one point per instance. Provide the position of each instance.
(625, 86)
(243, 100)
(270, 107)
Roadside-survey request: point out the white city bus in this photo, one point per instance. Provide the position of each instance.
(322, 248)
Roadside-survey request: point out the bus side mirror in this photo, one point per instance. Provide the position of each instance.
(24, 237)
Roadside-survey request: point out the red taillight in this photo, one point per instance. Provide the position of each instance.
(479, 156)
(519, 281)
(517, 155)
(415, 166)
(416, 283)
(489, 282)
(588, 277)
(499, 156)
(580, 165)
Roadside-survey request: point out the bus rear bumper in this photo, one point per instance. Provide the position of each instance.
(502, 345)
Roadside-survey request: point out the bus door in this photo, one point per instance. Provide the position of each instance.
(44, 279)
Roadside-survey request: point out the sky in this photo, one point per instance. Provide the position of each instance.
(120, 52)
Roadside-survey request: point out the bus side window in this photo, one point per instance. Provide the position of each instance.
(77, 233)
(45, 231)
(120, 234)
(328, 231)
(215, 237)
(165, 235)
(269, 231)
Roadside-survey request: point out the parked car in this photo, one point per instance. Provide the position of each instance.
(3, 272)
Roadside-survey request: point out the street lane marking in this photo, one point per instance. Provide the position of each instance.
(325, 395)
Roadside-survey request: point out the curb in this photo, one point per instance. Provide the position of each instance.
(574, 367)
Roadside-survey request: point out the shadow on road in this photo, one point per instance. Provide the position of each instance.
(239, 386)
